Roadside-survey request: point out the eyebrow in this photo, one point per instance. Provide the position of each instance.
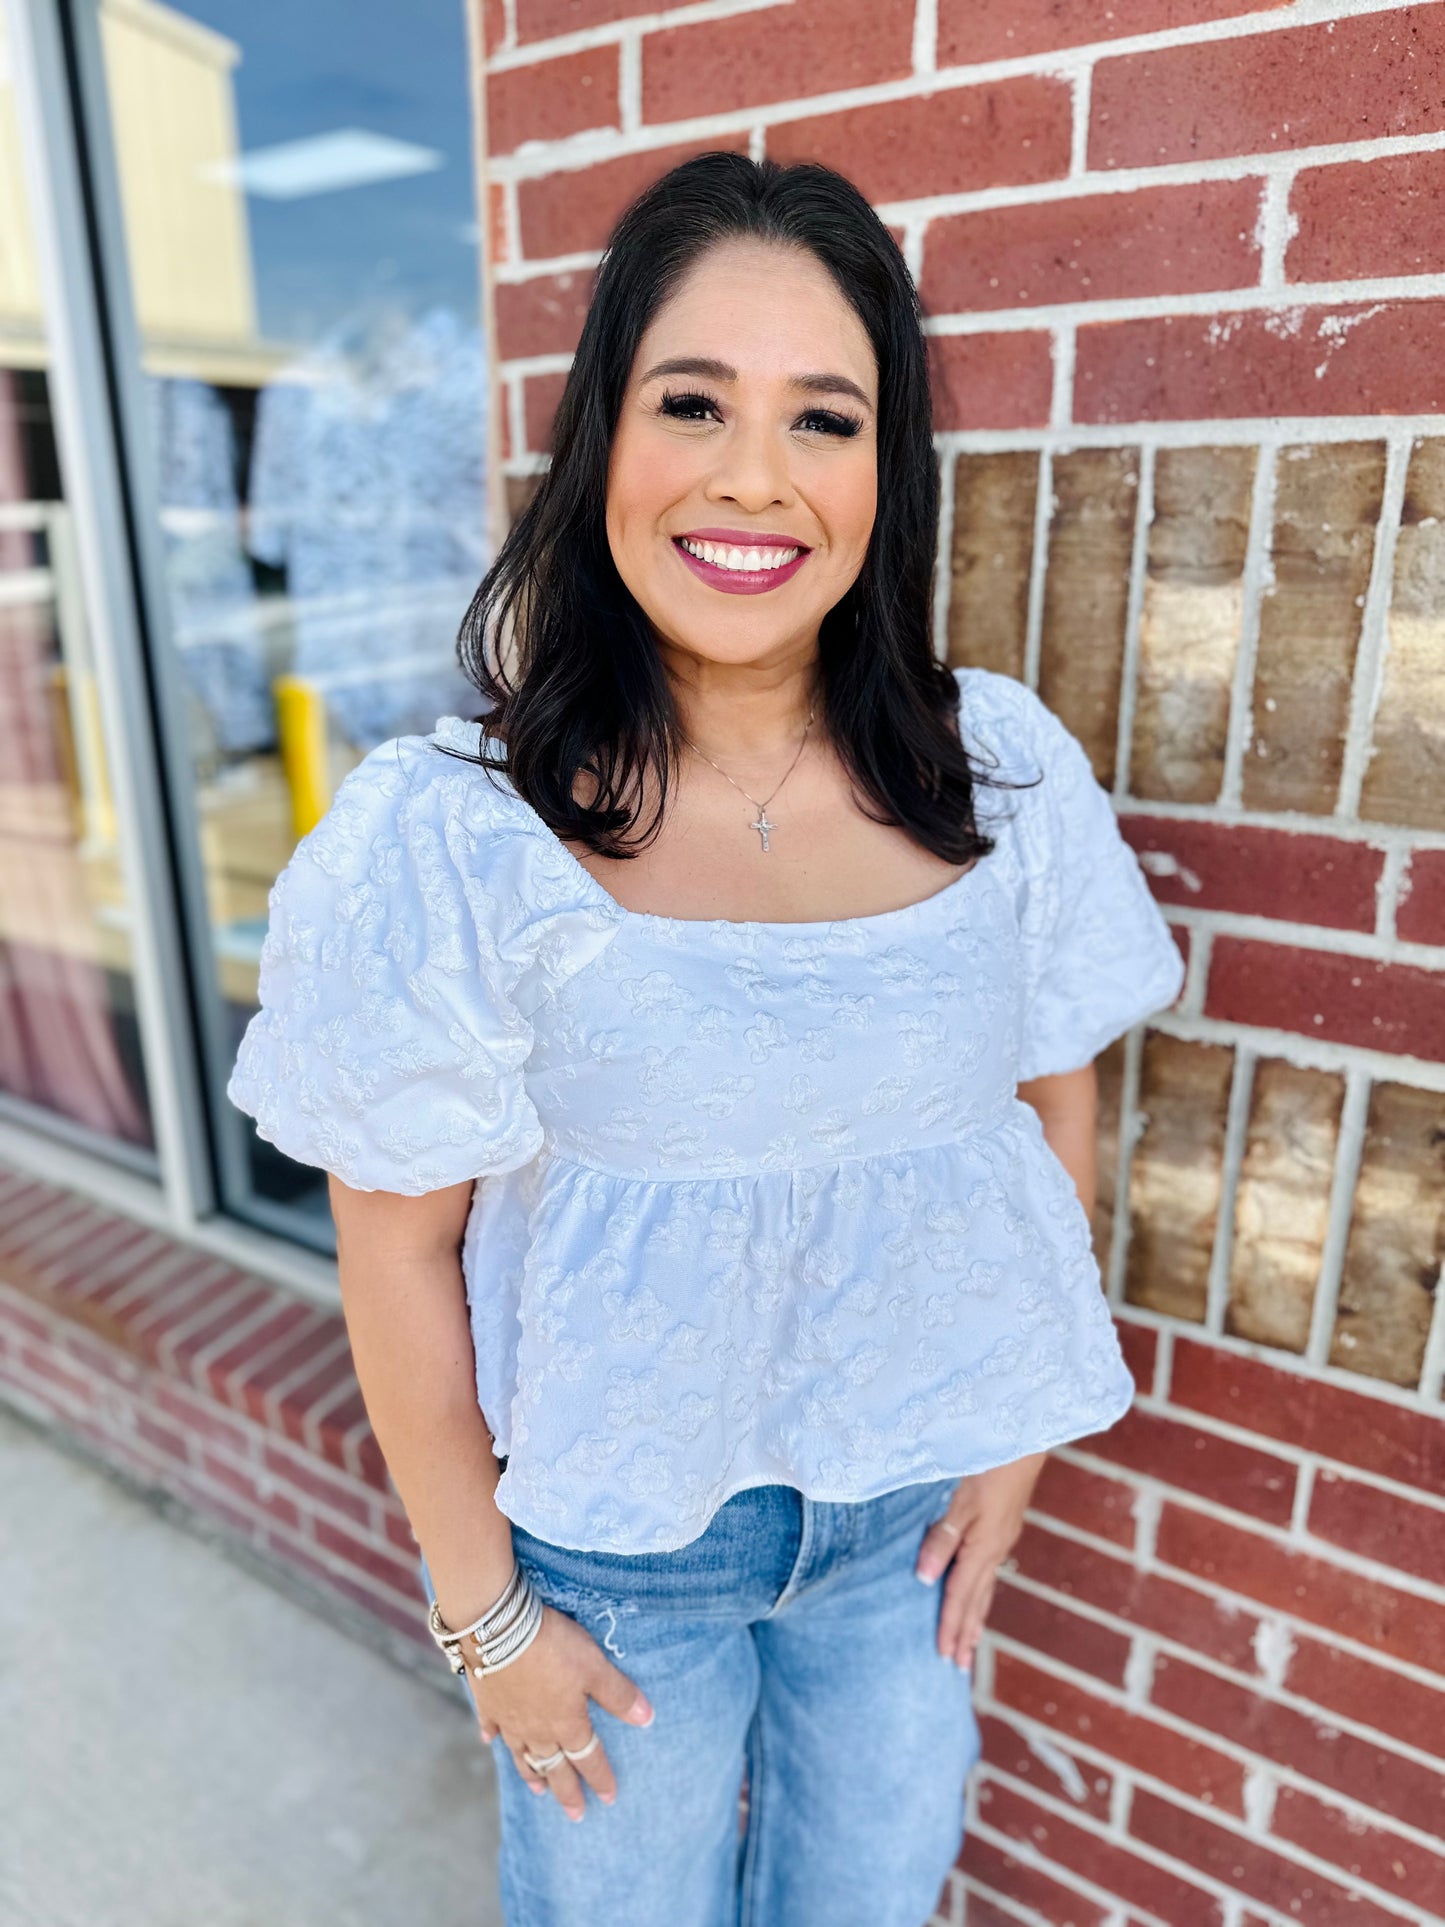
(712, 370)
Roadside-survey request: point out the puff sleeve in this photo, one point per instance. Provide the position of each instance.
(1099, 956)
(387, 1048)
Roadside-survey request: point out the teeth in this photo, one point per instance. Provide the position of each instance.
(745, 561)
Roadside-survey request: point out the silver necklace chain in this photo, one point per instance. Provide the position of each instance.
(761, 825)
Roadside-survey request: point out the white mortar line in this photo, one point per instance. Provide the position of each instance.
(1278, 1538)
(1240, 1750)
(757, 143)
(1357, 1382)
(1304, 1492)
(1275, 227)
(1364, 944)
(1348, 1149)
(1259, 544)
(943, 575)
(1006, 1904)
(1134, 616)
(925, 36)
(1063, 60)
(1211, 305)
(1383, 836)
(1236, 1128)
(1082, 88)
(1369, 675)
(1393, 881)
(1187, 1871)
(509, 26)
(1063, 355)
(1308, 1053)
(629, 82)
(1038, 567)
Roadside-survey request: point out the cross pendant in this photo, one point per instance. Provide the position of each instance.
(762, 826)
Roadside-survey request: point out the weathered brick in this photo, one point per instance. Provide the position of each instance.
(1190, 625)
(304, 1474)
(1086, 596)
(551, 99)
(1379, 1525)
(1130, 1737)
(991, 557)
(1357, 1689)
(1249, 1866)
(254, 1490)
(1326, 511)
(1405, 779)
(1314, 1748)
(1377, 1435)
(542, 316)
(1109, 1085)
(1371, 77)
(1100, 1861)
(1112, 1584)
(1176, 1174)
(1054, 1770)
(978, 30)
(1140, 1346)
(400, 1575)
(961, 139)
(1240, 1476)
(1086, 1500)
(1420, 912)
(573, 213)
(1027, 1886)
(1390, 1861)
(991, 380)
(1335, 359)
(1313, 1589)
(1325, 993)
(785, 53)
(1049, 1628)
(1282, 1204)
(1094, 247)
(1397, 1237)
(1365, 218)
(544, 19)
(541, 396)
(1295, 875)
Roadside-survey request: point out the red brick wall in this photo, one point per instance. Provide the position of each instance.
(1185, 267)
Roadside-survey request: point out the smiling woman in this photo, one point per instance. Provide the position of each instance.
(776, 1061)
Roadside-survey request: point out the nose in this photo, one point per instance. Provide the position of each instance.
(752, 469)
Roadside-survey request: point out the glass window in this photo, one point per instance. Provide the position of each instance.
(69, 1046)
(301, 231)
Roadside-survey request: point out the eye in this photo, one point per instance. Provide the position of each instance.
(690, 407)
(831, 421)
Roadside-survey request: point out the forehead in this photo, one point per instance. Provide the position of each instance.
(766, 310)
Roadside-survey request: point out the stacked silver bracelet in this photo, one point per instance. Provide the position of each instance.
(501, 1634)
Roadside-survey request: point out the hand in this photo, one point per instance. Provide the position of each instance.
(971, 1541)
(539, 1703)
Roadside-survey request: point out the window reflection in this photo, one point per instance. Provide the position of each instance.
(300, 221)
(69, 1046)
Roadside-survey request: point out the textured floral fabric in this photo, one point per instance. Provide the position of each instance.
(761, 1202)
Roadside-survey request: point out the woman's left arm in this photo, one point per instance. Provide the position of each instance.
(977, 1533)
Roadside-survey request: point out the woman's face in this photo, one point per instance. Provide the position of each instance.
(743, 479)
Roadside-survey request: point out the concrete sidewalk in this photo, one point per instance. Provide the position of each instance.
(180, 1744)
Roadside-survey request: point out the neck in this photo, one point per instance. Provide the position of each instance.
(745, 711)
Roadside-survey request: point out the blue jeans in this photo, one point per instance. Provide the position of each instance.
(791, 1637)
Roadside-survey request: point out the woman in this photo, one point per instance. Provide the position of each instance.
(780, 1279)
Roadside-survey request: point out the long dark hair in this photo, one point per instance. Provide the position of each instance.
(585, 689)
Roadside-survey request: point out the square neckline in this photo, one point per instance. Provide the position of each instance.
(791, 926)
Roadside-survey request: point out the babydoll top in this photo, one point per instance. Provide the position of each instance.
(759, 1201)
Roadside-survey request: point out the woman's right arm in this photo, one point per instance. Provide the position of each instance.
(404, 1299)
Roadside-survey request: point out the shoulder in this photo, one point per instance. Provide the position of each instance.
(1016, 735)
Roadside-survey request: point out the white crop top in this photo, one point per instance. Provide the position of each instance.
(759, 1201)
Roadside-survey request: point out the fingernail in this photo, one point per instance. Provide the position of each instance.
(573, 1813)
(925, 1573)
(640, 1713)
(607, 1798)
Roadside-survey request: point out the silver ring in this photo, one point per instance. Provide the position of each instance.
(546, 1764)
(583, 1751)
